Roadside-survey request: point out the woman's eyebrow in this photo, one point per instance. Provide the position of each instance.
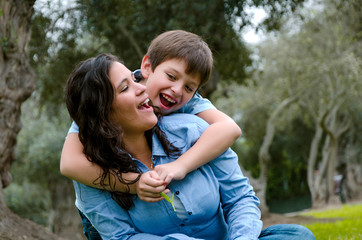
(121, 83)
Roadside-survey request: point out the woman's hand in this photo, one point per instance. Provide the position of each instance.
(149, 186)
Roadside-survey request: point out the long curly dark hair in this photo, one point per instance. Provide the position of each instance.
(89, 95)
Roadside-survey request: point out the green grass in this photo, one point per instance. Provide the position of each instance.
(348, 224)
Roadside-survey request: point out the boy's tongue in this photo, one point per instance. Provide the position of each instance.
(165, 102)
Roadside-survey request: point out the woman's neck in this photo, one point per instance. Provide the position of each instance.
(138, 147)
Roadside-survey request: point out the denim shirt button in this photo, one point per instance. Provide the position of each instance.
(182, 225)
(177, 192)
(190, 213)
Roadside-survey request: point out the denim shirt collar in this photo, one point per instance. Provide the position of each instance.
(157, 149)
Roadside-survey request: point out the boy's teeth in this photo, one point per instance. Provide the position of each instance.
(168, 99)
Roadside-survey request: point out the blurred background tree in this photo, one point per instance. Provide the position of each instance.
(291, 94)
(304, 95)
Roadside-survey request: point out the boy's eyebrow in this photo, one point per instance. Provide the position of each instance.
(194, 83)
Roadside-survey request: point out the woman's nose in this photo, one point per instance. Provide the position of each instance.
(140, 88)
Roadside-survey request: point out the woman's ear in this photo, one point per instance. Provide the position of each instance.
(146, 68)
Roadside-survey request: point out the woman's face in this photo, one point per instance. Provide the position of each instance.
(129, 108)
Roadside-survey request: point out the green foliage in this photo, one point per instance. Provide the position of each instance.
(316, 63)
(28, 201)
(168, 199)
(36, 171)
(39, 146)
(136, 23)
(64, 36)
(54, 52)
(348, 228)
(248, 156)
(288, 167)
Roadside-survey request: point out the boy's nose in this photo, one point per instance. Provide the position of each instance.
(177, 89)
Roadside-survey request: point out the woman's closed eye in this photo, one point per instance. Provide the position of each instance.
(124, 88)
(124, 85)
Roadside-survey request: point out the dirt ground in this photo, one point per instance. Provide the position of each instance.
(12, 227)
(273, 219)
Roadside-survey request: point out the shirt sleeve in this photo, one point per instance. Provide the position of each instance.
(239, 203)
(73, 128)
(238, 199)
(111, 221)
(196, 105)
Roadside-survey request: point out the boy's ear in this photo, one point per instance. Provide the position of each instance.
(146, 67)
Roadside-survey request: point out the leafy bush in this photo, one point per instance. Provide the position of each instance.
(36, 169)
(28, 201)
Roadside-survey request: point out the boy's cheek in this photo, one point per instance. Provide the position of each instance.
(143, 82)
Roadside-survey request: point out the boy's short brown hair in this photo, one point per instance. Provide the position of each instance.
(186, 46)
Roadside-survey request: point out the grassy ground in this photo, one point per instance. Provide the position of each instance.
(344, 223)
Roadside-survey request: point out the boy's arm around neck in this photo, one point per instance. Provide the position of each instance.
(75, 165)
(215, 140)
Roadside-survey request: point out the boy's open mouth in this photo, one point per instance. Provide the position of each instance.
(167, 100)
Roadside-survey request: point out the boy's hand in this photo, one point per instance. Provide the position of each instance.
(169, 171)
(149, 186)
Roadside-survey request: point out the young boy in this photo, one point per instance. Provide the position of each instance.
(176, 65)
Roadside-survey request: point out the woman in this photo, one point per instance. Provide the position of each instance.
(119, 132)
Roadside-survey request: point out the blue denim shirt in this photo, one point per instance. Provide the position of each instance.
(218, 199)
(196, 105)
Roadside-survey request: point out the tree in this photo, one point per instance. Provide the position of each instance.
(331, 108)
(126, 28)
(17, 78)
(17, 82)
(38, 152)
(317, 67)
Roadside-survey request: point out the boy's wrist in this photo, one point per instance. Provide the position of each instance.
(133, 188)
(129, 188)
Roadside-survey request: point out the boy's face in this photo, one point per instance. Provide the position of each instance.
(168, 86)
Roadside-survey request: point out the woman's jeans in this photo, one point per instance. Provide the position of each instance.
(286, 231)
(89, 231)
(275, 232)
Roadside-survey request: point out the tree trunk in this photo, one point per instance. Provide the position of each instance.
(334, 126)
(64, 219)
(320, 186)
(313, 154)
(17, 82)
(264, 156)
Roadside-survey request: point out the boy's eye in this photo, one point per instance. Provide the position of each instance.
(171, 77)
(189, 89)
(137, 75)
